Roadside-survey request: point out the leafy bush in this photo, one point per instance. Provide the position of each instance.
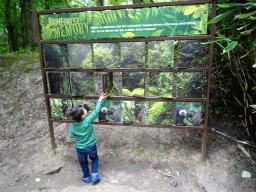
(127, 92)
(234, 76)
(139, 92)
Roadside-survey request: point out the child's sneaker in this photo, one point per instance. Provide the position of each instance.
(97, 178)
(88, 180)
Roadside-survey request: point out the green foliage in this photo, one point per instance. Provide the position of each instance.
(7, 60)
(221, 141)
(242, 16)
(160, 84)
(56, 107)
(82, 83)
(234, 78)
(192, 53)
(116, 2)
(126, 92)
(106, 55)
(140, 151)
(155, 111)
(218, 110)
(110, 89)
(132, 54)
(160, 113)
(87, 63)
(188, 83)
(80, 55)
(40, 189)
(153, 91)
(133, 80)
(138, 92)
(128, 110)
(12, 109)
(160, 54)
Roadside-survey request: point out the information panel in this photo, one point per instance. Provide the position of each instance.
(122, 23)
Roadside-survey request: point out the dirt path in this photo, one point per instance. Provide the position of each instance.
(130, 158)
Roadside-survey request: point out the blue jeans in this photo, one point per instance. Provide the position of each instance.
(82, 157)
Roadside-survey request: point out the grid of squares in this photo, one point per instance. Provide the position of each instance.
(130, 55)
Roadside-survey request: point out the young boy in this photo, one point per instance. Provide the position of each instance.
(85, 142)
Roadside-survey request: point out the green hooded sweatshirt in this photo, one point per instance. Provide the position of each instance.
(83, 130)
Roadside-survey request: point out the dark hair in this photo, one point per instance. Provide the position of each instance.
(76, 113)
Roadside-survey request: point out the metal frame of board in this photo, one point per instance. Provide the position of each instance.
(207, 69)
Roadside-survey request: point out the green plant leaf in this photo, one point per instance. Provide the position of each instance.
(221, 16)
(243, 16)
(12, 109)
(231, 5)
(220, 35)
(230, 46)
(216, 40)
(221, 46)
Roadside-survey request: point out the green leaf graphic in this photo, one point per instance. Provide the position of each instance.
(189, 10)
(105, 18)
(169, 16)
(130, 15)
(120, 13)
(129, 34)
(147, 12)
(108, 16)
(157, 33)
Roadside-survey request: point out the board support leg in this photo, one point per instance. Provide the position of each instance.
(204, 145)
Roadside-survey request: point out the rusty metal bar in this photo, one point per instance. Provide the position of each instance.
(45, 82)
(135, 39)
(127, 69)
(129, 98)
(134, 6)
(135, 124)
(209, 83)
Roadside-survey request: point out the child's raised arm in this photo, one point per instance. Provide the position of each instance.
(95, 113)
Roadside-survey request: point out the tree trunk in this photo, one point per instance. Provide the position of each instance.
(30, 23)
(23, 25)
(10, 27)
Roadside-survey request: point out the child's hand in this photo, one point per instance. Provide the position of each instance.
(102, 96)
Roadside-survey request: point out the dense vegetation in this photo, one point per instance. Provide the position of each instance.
(233, 77)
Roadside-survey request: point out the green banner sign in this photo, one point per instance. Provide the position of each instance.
(146, 22)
